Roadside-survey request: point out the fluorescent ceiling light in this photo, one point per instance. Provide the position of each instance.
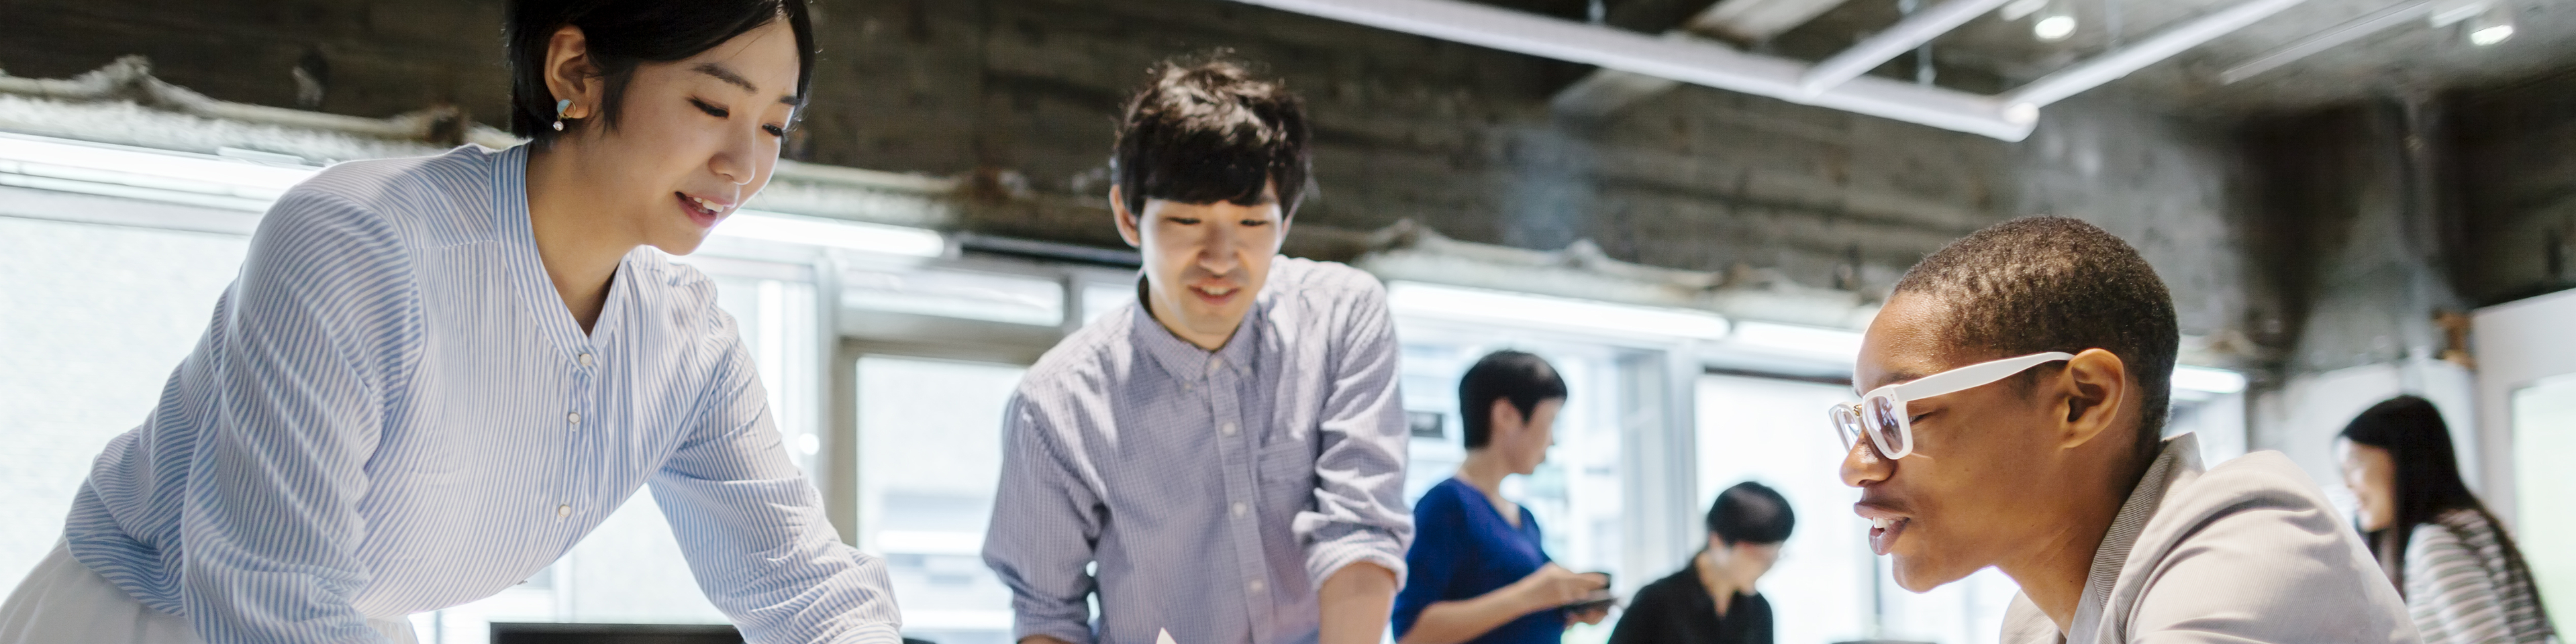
(204, 180)
(835, 233)
(1540, 310)
(1836, 345)
(2216, 381)
(144, 173)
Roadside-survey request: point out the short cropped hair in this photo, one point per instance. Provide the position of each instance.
(2038, 284)
(625, 33)
(1209, 130)
(1522, 378)
(1751, 513)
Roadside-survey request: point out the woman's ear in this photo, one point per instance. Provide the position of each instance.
(1503, 414)
(570, 75)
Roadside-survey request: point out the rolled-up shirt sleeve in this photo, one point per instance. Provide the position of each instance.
(1359, 512)
(753, 530)
(1044, 528)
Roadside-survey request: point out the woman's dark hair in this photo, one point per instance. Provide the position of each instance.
(1207, 130)
(1751, 513)
(1525, 379)
(625, 33)
(2427, 480)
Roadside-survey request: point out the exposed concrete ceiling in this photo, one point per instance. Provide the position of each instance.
(2409, 57)
(1991, 54)
(1606, 91)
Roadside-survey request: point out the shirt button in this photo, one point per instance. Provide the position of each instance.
(1226, 429)
(585, 360)
(1255, 586)
(574, 418)
(564, 510)
(1240, 508)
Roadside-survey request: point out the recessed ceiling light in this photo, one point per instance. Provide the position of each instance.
(2055, 23)
(2493, 26)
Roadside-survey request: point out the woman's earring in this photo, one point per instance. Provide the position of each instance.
(560, 106)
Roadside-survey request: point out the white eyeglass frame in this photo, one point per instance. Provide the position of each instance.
(1852, 421)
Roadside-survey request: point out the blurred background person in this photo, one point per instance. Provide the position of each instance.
(1478, 571)
(2463, 579)
(1713, 599)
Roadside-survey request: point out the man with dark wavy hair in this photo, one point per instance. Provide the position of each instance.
(2016, 390)
(1223, 459)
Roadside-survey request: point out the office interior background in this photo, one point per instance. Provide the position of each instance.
(1691, 208)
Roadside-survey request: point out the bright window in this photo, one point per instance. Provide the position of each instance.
(1827, 586)
(2544, 432)
(94, 320)
(930, 453)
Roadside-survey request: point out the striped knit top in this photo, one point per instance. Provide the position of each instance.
(2461, 590)
(391, 411)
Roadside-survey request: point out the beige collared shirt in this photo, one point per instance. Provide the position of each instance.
(2248, 551)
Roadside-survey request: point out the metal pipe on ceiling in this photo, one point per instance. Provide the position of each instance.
(2173, 40)
(1686, 60)
(1913, 32)
(2009, 117)
(2377, 21)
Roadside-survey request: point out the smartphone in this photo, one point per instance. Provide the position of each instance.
(1598, 599)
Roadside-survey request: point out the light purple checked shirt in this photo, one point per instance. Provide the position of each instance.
(1213, 491)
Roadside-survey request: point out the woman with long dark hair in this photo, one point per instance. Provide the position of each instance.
(434, 375)
(2463, 579)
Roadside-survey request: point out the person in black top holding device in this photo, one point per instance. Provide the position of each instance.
(1712, 601)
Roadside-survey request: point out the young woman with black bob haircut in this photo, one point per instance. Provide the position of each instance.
(1478, 571)
(2463, 579)
(1712, 600)
(434, 375)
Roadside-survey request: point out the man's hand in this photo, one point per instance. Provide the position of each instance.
(1355, 603)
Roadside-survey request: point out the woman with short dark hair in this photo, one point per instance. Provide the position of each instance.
(1712, 600)
(434, 375)
(2463, 579)
(1477, 572)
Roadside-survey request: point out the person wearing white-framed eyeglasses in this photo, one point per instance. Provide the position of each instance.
(2014, 392)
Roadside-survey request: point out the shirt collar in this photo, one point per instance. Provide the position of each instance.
(527, 269)
(2180, 456)
(1187, 361)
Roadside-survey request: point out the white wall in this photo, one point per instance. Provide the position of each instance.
(2516, 343)
(2302, 418)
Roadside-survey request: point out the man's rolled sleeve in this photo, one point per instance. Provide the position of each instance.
(1360, 513)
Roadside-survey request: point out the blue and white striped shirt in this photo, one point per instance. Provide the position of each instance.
(392, 412)
(1213, 490)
